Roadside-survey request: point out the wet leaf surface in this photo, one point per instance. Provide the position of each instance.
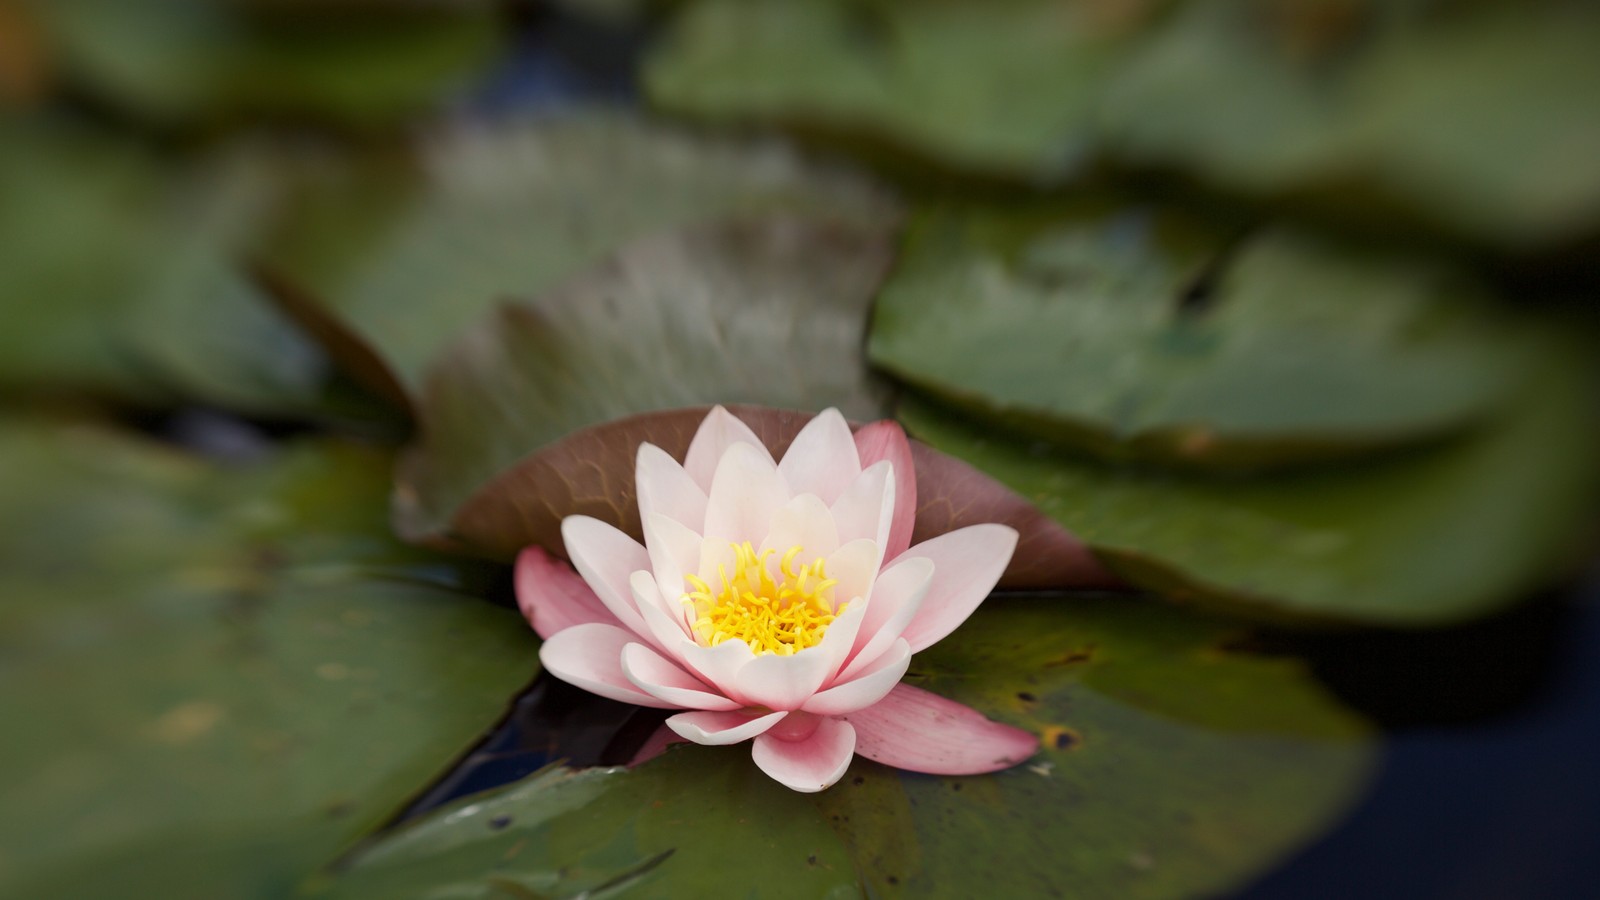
(403, 253)
(1432, 536)
(1136, 333)
(590, 472)
(225, 675)
(1171, 766)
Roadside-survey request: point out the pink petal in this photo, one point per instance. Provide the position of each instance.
(918, 731)
(783, 682)
(590, 656)
(896, 598)
(718, 431)
(745, 493)
(866, 508)
(811, 764)
(606, 557)
(717, 666)
(719, 728)
(665, 626)
(966, 564)
(649, 672)
(664, 487)
(674, 551)
(805, 522)
(886, 440)
(866, 688)
(552, 596)
(822, 460)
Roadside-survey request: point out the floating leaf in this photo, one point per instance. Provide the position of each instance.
(218, 678)
(118, 270)
(1089, 326)
(1430, 536)
(399, 257)
(590, 472)
(1171, 767)
(363, 64)
(1007, 91)
(768, 311)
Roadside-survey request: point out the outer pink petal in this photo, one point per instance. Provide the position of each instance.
(553, 597)
(822, 460)
(922, 732)
(590, 656)
(664, 487)
(866, 508)
(606, 557)
(719, 728)
(811, 764)
(745, 493)
(718, 431)
(866, 688)
(896, 598)
(783, 682)
(886, 440)
(966, 564)
(661, 679)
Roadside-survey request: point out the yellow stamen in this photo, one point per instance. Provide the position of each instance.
(771, 616)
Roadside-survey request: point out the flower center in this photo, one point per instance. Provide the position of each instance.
(771, 616)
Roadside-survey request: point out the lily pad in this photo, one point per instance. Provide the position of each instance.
(1135, 333)
(1171, 766)
(1007, 91)
(117, 266)
(217, 678)
(1434, 535)
(590, 472)
(761, 311)
(180, 61)
(396, 258)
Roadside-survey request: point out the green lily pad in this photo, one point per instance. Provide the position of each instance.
(118, 267)
(766, 311)
(214, 679)
(399, 257)
(1434, 535)
(1078, 326)
(178, 61)
(1475, 116)
(1008, 91)
(1171, 766)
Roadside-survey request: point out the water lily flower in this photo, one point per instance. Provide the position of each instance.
(778, 602)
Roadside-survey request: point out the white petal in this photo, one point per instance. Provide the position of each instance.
(656, 676)
(717, 666)
(664, 487)
(872, 684)
(665, 626)
(718, 431)
(674, 552)
(822, 460)
(896, 597)
(745, 493)
(803, 522)
(866, 508)
(590, 656)
(782, 682)
(855, 566)
(606, 558)
(721, 728)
